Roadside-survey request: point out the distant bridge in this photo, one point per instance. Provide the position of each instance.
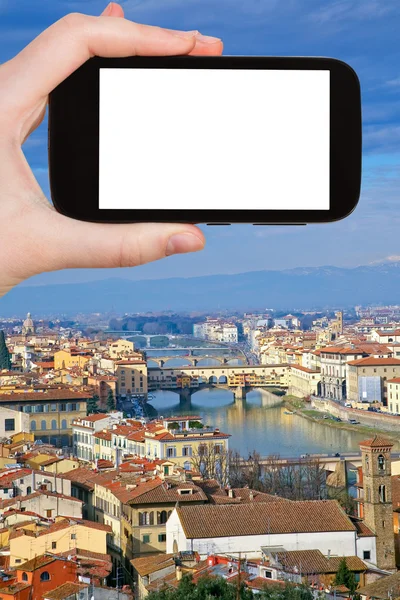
(352, 460)
(194, 360)
(241, 379)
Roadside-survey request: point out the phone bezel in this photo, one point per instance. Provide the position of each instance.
(74, 134)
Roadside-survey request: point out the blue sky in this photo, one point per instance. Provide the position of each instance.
(362, 32)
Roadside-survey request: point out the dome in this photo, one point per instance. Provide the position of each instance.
(28, 321)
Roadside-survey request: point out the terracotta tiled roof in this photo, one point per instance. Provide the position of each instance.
(161, 493)
(381, 588)
(376, 442)
(209, 521)
(65, 590)
(362, 529)
(370, 361)
(103, 435)
(152, 563)
(36, 563)
(313, 561)
(50, 394)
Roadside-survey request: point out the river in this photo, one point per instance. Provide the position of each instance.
(259, 423)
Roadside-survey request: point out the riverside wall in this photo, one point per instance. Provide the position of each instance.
(369, 419)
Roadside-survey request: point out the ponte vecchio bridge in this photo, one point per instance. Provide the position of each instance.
(241, 379)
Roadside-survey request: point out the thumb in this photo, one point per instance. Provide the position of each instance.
(66, 243)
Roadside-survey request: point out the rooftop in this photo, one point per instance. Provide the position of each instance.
(310, 516)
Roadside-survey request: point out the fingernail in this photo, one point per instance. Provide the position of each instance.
(107, 9)
(183, 242)
(207, 39)
(184, 34)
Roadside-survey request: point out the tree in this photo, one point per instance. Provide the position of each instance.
(110, 401)
(195, 425)
(173, 425)
(92, 406)
(5, 358)
(345, 577)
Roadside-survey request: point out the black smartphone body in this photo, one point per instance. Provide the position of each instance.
(218, 140)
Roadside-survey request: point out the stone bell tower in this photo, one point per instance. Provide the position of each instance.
(378, 509)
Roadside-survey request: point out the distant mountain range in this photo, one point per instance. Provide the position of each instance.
(312, 287)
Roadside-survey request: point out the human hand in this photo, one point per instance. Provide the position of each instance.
(34, 237)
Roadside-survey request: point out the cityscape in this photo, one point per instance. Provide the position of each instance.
(255, 454)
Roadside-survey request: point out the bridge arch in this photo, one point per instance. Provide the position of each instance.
(212, 380)
(222, 379)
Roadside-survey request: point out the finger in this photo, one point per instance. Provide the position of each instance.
(206, 45)
(77, 244)
(66, 45)
(113, 10)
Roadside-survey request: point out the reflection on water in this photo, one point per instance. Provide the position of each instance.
(260, 424)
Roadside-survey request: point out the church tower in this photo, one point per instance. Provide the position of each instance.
(28, 326)
(378, 509)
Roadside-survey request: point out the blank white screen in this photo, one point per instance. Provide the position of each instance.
(214, 139)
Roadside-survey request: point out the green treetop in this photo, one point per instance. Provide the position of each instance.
(92, 406)
(110, 401)
(5, 358)
(345, 577)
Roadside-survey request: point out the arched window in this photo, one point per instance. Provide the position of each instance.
(169, 513)
(382, 493)
(43, 425)
(33, 425)
(64, 424)
(45, 576)
(186, 465)
(54, 424)
(381, 462)
(24, 577)
(162, 517)
(28, 490)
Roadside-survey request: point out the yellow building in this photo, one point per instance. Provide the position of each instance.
(64, 359)
(51, 411)
(131, 377)
(120, 348)
(65, 534)
(52, 464)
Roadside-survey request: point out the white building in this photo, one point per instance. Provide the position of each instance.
(83, 431)
(230, 529)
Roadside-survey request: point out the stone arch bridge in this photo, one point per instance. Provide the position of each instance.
(241, 379)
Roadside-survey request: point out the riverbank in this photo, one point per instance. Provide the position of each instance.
(302, 409)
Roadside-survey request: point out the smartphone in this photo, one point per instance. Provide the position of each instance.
(216, 140)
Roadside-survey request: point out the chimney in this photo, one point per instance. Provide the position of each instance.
(230, 493)
(178, 573)
(251, 496)
(329, 554)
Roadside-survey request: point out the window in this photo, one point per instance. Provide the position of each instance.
(24, 577)
(33, 425)
(171, 452)
(162, 517)
(162, 537)
(381, 462)
(28, 490)
(9, 424)
(63, 408)
(54, 424)
(53, 545)
(367, 554)
(53, 407)
(382, 493)
(45, 575)
(146, 539)
(48, 515)
(43, 425)
(187, 451)
(64, 424)
(73, 536)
